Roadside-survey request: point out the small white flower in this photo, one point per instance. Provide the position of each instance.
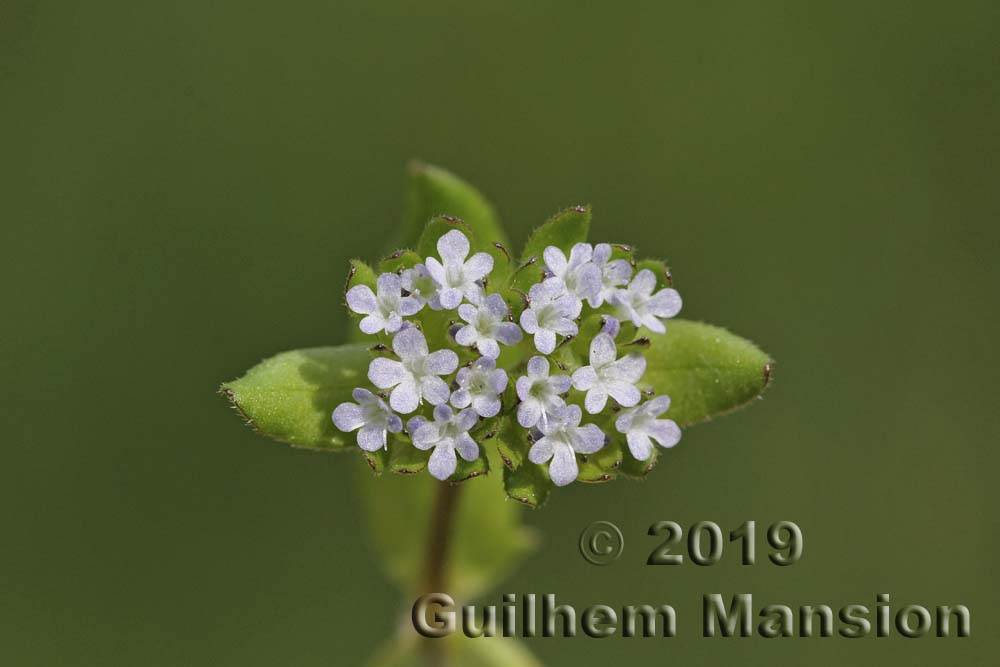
(371, 415)
(640, 425)
(638, 303)
(577, 276)
(564, 438)
(385, 311)
(539, 393)
(550, 312)
(486, 326)
(614, 274)
(448, 433)
(607, 375)
(457, 277)
(421, 285)
(415, 376)
(480, 386)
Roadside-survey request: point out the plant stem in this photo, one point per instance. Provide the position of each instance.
(442, 523)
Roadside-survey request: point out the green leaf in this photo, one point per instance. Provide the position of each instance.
(488, 539)
(528, 484)
(291, 397)
(632, 467)
(603, 465)
(432, 191)
(399, 260)
(705, 370)
(360, 274)
(404, 458)
(563, 230)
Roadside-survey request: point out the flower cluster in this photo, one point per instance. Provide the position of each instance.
(446, 401)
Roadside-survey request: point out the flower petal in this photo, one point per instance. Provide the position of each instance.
(665, 432)
(596, 399)
(348, 416)
(495, 305)
(467, 448)
(588, 439)
(467, 335)
(442, 463)
(436, 271)
(461, 398)
(405, 397)
(602, 350)
(486, 406)
(442, 362)
(478, 266)
(434, 390)
(409, 306)
(625, 393)
(541, 451)
(450, 297)
(372, 324)
(563, 468)
(410, 344)
(426, 435)
(497, 380)
(469, 313)
(555, 260)
(643, 283)
(508, 333)
(538, 368)
(559, 384)
(361, 300)
(453, 247)
(665, 303)
(385, 373)
(529, 321)
(529, 412)
(650, 322)
(630, 368)
(545, 340)
(371, 438)
(488, 348)
(640, 445)
(388, 284)
(656, 406)
(466, 419)
(584, 378)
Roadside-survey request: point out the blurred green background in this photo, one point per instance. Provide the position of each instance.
(183, 182)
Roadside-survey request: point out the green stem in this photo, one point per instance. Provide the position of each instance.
(442, 523)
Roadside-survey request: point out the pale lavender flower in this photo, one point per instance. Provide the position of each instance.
(384, 311)
(641, 427)
(448, 433)
(486, 326)
(564, 438)
(421, 285)
(550, 312)
(480, 386)
(415, 377)
(614, 274)
(455, 276)
(638, 303)
(370, 416)
(539, 393)
(607, 375)
(577, 276)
